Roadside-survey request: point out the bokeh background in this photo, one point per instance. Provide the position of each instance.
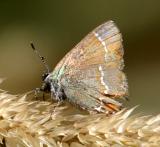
(57, 26)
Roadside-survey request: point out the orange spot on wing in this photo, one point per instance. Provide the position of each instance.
(112, 107)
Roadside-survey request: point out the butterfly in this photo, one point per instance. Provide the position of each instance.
(91, 75)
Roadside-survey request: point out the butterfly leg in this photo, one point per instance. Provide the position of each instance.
(52, 92)
(55, 96)
(36, 91)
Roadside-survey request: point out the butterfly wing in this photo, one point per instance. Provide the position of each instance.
(92, 71)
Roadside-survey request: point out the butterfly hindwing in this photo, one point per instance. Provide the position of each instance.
(92, 71)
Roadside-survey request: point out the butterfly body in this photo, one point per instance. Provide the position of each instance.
(90, 75)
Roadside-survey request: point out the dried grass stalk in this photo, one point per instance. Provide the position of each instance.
(28, 123)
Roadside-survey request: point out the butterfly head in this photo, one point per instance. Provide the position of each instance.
(46, 86)
(45, 83)
(49, 83)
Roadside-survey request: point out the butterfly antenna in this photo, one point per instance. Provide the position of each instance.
(41, 57)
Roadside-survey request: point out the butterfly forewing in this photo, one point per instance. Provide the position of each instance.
(92, 71)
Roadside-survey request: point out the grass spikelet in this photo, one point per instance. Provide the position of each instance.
(28, 123)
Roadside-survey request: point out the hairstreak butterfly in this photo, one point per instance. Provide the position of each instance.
(90, 75)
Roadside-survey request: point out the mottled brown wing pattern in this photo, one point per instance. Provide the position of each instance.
(96, 65)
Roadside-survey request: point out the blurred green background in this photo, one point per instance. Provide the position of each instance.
(57, 26)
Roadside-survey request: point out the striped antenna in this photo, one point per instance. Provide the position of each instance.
(41, 57)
